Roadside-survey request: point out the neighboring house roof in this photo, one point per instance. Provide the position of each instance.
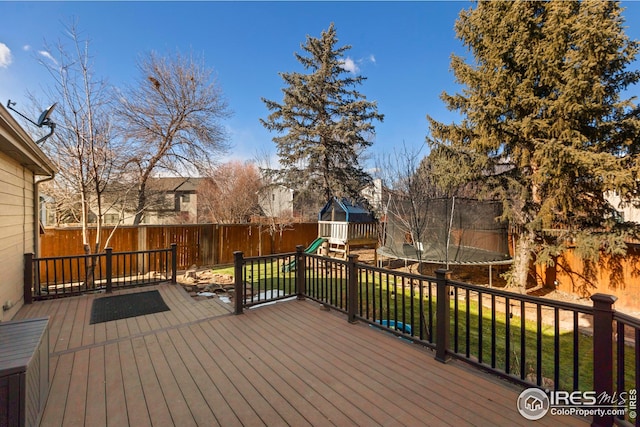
(17, 144)
(171, 184)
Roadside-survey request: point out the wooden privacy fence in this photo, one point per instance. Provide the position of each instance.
(197, 244)
(619, 275)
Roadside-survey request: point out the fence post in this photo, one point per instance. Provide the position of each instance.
(109, 269)
(603, 351)
(238, 262)
(443, 308)
(28, 278)
(352, 288)
(301, 280)
(174, 263)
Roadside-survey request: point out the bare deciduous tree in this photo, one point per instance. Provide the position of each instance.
(408, 192)
(277, 217)
(83, 145)
(230, 195)
(171, 119)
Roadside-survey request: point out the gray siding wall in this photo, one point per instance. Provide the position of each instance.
(16, 231)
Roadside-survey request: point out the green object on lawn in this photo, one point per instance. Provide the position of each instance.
(291, 265)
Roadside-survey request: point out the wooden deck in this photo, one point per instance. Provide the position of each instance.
(290, 363)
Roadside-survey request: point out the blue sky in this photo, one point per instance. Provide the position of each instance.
(403, 48)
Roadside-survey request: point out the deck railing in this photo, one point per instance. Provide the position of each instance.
(342, 232)
(53, 277)
(533, 341)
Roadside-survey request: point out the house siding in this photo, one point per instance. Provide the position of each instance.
(627, 211)
(16, 231)
(276, 202)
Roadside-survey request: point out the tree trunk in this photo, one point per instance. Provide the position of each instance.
(142, 200)
(522, 261)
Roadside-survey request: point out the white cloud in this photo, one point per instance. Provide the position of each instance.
(48, 56)
(349, 65)
(353, 66)
(26, 48)
(5, 55)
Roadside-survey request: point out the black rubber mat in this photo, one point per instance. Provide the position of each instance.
(128, 305)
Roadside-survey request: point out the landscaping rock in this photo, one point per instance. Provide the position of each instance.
(195, 282)
(212, 287)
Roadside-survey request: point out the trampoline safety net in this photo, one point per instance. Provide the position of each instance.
(446, 231)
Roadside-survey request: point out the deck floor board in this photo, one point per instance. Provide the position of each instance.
(289, 363)
(177, 406)
(96, 411)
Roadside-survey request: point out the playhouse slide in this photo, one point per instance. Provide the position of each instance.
(313, 247)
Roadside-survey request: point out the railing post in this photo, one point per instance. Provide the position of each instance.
(174, 263)
(301, 280)
(238, 262)
(443, 308)
(603, 351)
(109, 271)
(352, 288)
(28, 278)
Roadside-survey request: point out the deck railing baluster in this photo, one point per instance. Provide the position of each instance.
(455, 320)
(576, 350)
(109, 270)
(380, 299)
(424, 330)
(620, 358)
(37, 279)
(556, 346)
(493, 331)
(480, 334)
(467, 343)
(539, 344)
(55, 277)
(352, 287)
(507, 335)
(430, 309)
(62, 272)
(404, 304)
(396, 300)
(523, 337)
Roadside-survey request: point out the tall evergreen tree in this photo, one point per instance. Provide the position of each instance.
(323, 123)
(543, 100)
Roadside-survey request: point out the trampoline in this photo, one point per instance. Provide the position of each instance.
(447, 231)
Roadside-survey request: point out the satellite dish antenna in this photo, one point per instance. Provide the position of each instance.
(43, 120)
(44, 117)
